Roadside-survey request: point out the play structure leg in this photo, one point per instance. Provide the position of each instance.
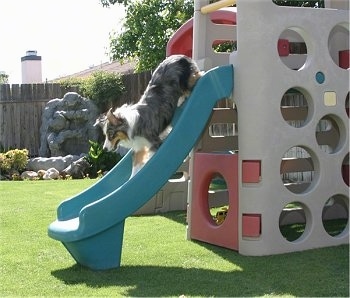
(202, 226)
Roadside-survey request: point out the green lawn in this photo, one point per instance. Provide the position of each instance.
(156, 259)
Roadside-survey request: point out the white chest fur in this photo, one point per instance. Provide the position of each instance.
(136, 143)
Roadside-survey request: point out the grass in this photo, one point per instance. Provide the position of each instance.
(156, 259)
(294, 231)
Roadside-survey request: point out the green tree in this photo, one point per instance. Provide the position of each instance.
(107, 3)
(147, 27)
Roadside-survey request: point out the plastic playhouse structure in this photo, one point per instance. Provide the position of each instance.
(290, 127)
(271, 119)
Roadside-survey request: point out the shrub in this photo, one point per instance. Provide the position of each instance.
(104, 88)
(72, 83)
(100, 160)
(13, 160)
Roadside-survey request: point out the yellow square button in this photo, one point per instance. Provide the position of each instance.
(330, 98)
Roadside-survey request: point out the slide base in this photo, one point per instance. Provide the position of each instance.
(100, 252)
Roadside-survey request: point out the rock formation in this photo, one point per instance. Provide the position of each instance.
(67, 126)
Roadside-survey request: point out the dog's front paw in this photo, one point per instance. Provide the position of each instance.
(182, 99)
(136, 169)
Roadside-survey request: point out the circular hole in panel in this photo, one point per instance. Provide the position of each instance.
(345, 169)
(295, 106)
(296, 3)
(218, 199)
(335, 215)
(293, 221)
(292, 48)
(297, 170)
(328, 134)
(179, 177)
(224, 46)
(347, 104)
(338, 45)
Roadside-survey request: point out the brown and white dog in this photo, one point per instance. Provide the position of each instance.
(140, 126)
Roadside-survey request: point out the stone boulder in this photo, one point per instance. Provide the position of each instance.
(45, 163)
(29, 175)
(51, 174)
(77, 168)
(68, 125)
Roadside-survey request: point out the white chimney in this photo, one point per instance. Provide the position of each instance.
(31, 68)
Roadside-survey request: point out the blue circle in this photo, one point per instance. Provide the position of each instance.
(320, 77)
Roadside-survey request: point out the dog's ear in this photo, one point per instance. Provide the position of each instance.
(100, 120)
(113, 119)
(97, 122)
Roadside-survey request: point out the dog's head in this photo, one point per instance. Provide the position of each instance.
(115, 128)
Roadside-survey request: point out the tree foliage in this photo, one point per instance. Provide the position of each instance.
(107, 3)
(147, 27)
(4, 78)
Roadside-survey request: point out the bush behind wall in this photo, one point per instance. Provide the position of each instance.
(102, 87)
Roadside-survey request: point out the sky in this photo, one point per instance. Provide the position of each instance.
(69, 35)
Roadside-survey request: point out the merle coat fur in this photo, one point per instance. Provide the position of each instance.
(173, 78)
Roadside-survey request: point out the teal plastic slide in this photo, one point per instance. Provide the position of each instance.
(91, 224)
